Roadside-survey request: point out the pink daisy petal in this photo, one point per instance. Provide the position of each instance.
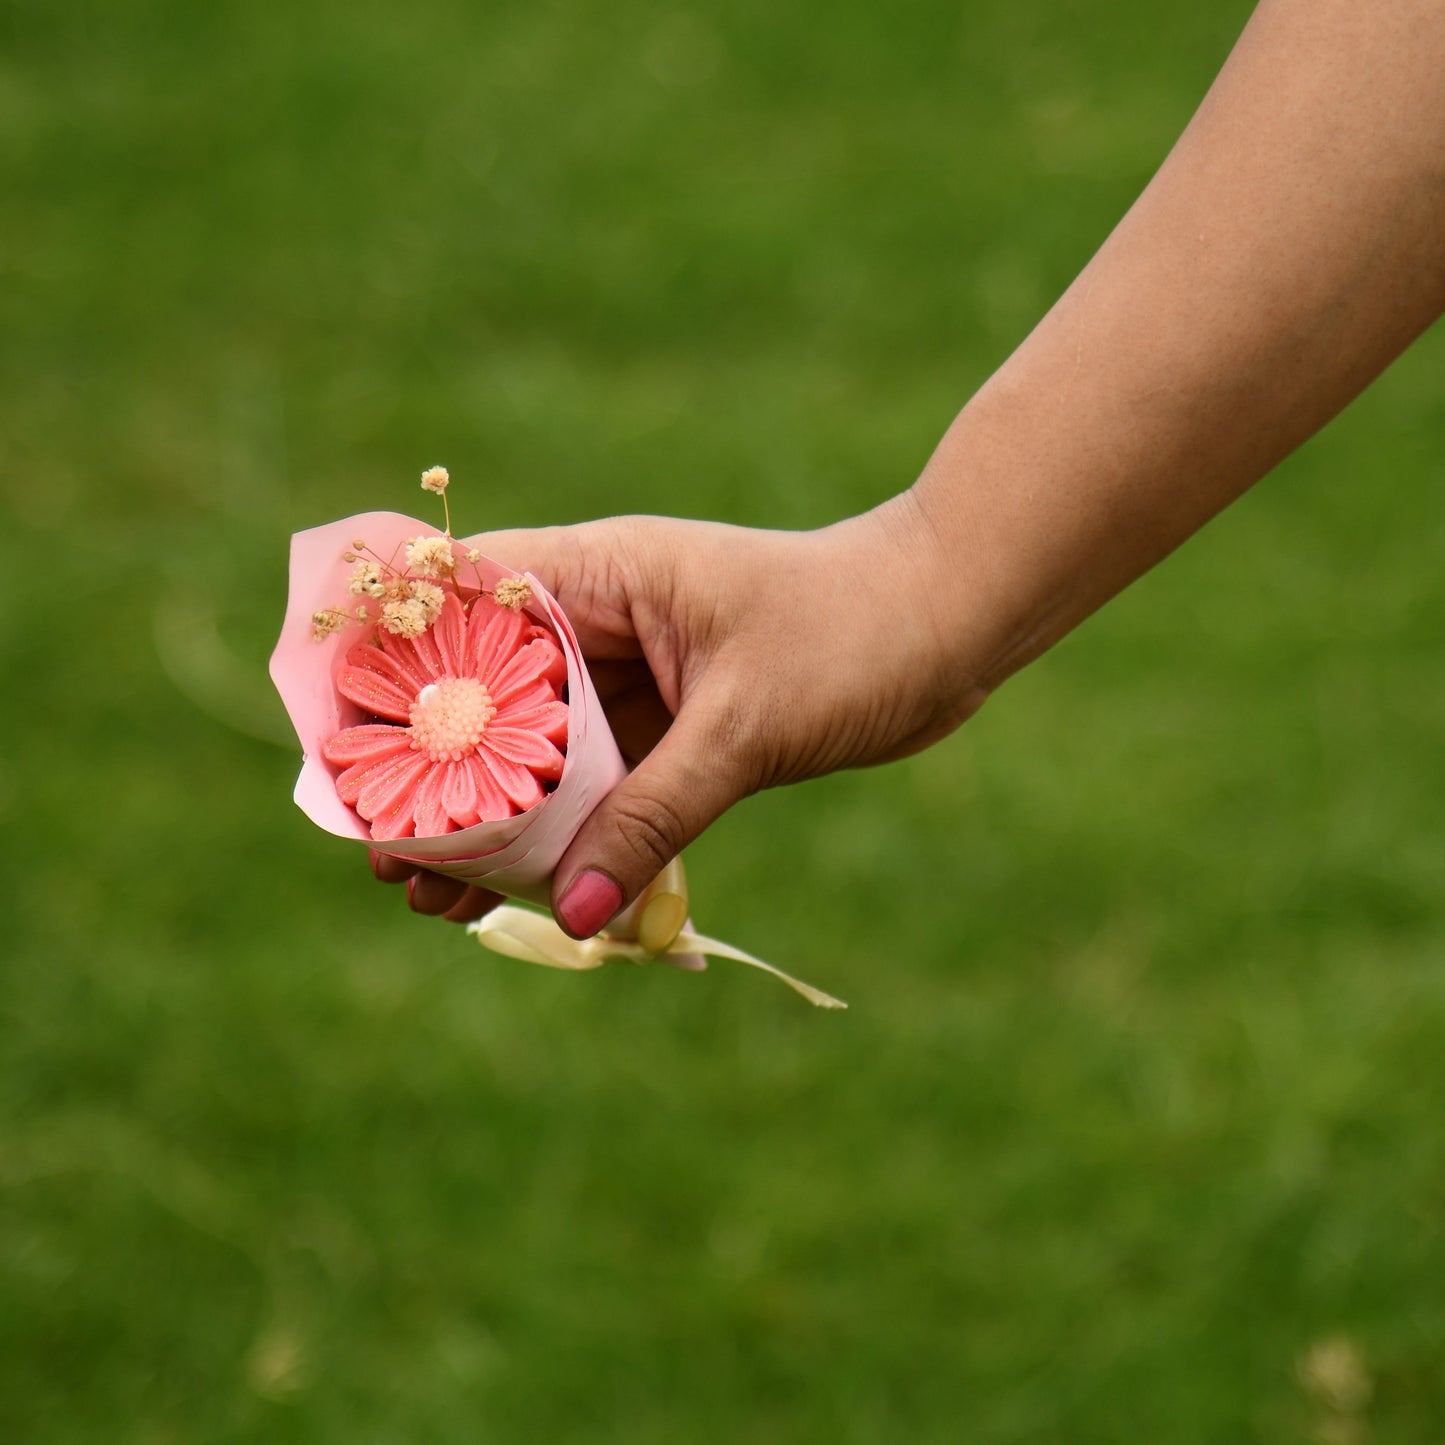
(387, 799)
(536, 662)
(533, 695)
(367, 744)
(547, 719)
(393, 825)
(403, 651)
(379, 693)
(492, 803)
(493, 635)
(427, 650)
(450, 634)
(515, 781)
(526, 749)
(556, 673)
(426, 803)
(350, 783)
(403, 670)
(459, 795)
(360, 776)
(390, 782)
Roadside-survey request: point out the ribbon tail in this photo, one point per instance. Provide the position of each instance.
(687, 942)
(534, 938)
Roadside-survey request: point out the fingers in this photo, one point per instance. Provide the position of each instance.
(431, 893)
(685, 783)
(389, 869)
(474, 903)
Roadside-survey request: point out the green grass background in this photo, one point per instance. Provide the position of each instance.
(1140, 1095)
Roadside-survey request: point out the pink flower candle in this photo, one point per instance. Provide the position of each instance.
(472, 722)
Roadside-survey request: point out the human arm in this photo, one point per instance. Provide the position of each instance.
(1291, 245)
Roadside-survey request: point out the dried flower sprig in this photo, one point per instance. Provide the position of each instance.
(327, 621)
(513, 592)
(412, 591)
(438, 479)
(431, 556)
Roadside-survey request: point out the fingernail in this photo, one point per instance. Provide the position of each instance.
(661, 921)
(374, 858)
(411, 891)
(590, 900)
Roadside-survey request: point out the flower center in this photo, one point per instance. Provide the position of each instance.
(449, 718)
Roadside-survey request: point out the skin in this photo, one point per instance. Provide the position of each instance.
(1292, 244)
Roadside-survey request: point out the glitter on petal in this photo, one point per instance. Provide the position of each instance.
(466, 721)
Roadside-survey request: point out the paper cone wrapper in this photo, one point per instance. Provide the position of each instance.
(516, 856)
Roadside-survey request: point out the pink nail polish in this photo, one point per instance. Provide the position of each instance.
(590, 900)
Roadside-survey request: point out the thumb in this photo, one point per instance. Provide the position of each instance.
(687, 781)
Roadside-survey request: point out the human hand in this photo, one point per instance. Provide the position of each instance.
(433, 893)
(727, 660)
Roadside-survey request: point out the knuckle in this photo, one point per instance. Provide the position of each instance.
(652, 828)
(595, 568)
(741, 738)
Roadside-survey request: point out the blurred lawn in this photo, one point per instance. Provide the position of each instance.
(1139, 1104)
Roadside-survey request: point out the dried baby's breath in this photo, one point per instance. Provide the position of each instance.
(411, 590)
(513, 592)
(431, 598)
(431, 556)
(405, 619)
(366, 580)
(326, 621)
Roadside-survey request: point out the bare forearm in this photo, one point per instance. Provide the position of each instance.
(1291, 246)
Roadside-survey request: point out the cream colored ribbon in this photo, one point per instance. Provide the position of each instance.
(534, 937)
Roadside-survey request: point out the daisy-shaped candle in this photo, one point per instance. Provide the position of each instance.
(472, 721)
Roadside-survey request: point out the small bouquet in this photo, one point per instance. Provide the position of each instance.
(446, 718)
